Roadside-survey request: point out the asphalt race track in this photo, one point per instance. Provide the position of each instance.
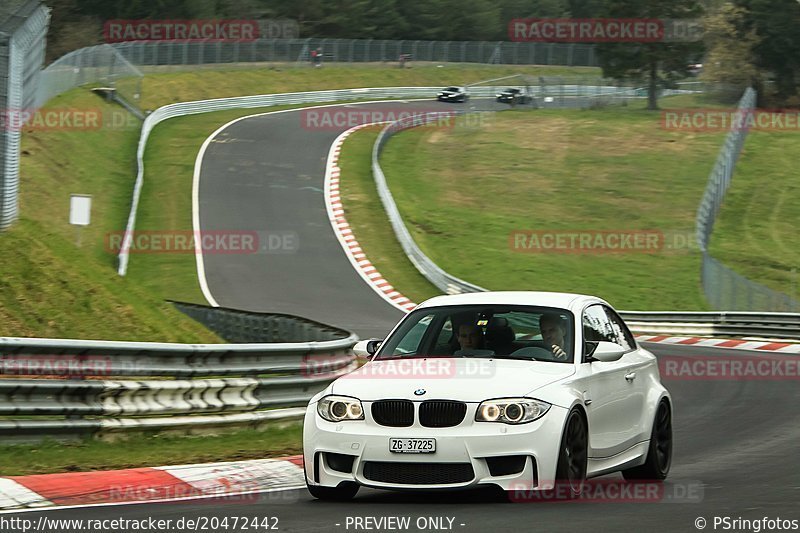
(735, 442)
(266, 174)
(735, 451)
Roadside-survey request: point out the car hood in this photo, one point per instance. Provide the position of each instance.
(465, 379)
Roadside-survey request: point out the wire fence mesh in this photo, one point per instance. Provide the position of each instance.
(725, 289)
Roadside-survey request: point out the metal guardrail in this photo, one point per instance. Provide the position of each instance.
(97, 386)
(716, 324)
(238, 326)
(445, 282)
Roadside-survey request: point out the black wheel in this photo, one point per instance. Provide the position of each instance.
(342, 492)
(572, 457)
(659, 452)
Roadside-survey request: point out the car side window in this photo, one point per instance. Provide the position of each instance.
(623, 334)
(597, 326)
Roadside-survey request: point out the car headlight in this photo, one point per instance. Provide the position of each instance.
(337, 408)
(511, 410)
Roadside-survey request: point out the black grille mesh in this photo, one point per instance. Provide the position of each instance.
(441, 413)
(393, 413)
(418, 473)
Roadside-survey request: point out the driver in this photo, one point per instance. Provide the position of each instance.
(554, 333)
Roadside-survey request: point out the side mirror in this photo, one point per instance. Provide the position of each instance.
(367, 348)
(604, 351)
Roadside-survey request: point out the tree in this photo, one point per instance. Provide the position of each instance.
(730, 60)
(660, 64)
(777, 24)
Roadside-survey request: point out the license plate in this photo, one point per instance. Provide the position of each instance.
(412, 445)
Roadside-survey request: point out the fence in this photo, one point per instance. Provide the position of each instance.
(22, 42)
(724, 288)
(101, 64)
(179, 54)
(106, 386)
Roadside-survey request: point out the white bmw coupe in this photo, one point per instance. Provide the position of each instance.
(522, 390)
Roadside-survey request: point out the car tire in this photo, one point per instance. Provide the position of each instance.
(343, 492)
(659, 451)
(572, 457)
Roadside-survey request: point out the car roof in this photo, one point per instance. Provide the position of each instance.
(562, 300)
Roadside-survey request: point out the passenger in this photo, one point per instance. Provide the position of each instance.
(554, 334)
(470, 337)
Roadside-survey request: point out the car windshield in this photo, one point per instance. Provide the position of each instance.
(452, 89)
(488, 331)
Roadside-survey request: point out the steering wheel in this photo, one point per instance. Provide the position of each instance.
(534, 352)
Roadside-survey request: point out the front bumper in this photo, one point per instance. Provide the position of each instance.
(469, 443)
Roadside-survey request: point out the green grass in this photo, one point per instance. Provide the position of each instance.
(50, 286)
(143, 450)
(756, 232)
(549, 170)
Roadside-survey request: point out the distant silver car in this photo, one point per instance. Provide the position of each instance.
(452, 94)
(513, 96)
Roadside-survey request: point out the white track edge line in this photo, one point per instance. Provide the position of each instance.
(198, 163)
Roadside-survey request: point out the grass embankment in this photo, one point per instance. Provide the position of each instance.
(756, 233)
(141, 450)
(466, 190)
(49, 285)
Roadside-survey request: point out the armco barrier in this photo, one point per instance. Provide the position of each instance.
(442, 280)
(102, 386)
(716, 324)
